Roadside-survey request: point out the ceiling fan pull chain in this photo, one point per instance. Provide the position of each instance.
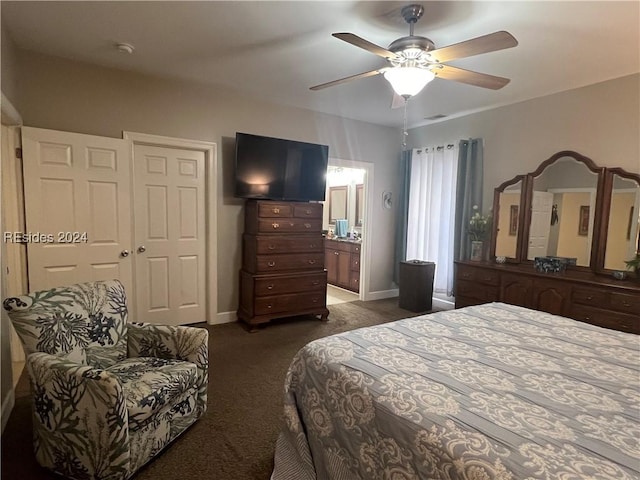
(405, 134)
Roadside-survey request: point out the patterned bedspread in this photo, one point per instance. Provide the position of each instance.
(492, 391)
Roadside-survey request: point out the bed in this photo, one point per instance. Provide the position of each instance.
(492, 391)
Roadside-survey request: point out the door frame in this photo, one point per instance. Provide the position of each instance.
(211, 198)
(365, 252)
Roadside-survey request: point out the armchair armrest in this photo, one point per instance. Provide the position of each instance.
(170, 342)
(80, 418)
(190, 344)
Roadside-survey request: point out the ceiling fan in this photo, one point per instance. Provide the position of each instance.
(414, 60)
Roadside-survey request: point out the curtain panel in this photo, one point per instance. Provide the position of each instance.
(431, 212)
(400, 254)
(468, 193)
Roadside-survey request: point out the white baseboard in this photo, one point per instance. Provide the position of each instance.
(7, 407)
(379, 295)
(444, 304)
(224, 317)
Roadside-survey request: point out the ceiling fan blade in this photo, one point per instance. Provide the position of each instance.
(365, 44)
(485, 44)
(348, 79)
(472, 78)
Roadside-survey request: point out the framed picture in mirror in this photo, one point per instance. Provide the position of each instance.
(583, 225)
(513, 219)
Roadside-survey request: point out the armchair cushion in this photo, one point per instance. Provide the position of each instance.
(87, 322)
(151, 383)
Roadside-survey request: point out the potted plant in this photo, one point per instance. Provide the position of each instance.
(634, 264)
(479, 230)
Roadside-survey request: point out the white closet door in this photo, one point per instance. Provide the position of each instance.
(170, 234)
(77, 208)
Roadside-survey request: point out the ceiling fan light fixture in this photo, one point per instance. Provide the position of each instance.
(408, 81)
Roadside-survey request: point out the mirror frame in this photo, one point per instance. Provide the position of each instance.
(332, 201)
(496, 217)
(607, 191)
(359, 204)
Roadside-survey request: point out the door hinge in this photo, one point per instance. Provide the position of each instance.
(19, 153)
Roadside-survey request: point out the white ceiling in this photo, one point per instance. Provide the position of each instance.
(277, 50)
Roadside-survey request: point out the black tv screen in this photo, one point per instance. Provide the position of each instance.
(278, 169)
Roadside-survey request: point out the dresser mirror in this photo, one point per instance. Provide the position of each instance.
(507, 210)
(562, 209)
(337, 203)
(622, 190)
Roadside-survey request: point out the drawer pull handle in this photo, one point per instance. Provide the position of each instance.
(271, 264)
(271, 247)
(587, 318)
(270, 287)
(269, 306)
(626, 304)
(275, 225)
(312, 245)
(276, 210)
(589, 297)
(336, 253)
(355, 263)
(487, 279)
(306, 225)
(308, 212)
(312, 262)
(315, 283)
(315, 300)
(466, 275)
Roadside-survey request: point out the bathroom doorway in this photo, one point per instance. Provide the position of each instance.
(346, 224)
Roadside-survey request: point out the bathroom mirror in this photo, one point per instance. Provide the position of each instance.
(337, 203)
(562, 209)
(359, 204)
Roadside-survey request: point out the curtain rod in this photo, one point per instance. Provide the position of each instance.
(439, 148)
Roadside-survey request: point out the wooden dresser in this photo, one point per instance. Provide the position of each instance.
(282, 261)
(342, 260)
(582, 295)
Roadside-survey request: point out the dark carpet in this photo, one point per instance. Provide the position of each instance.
(235, 439)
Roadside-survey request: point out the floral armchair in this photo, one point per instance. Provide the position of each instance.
(107, 395)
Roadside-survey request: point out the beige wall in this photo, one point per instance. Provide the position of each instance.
(601, 121)
(7, 62)
(64, 95)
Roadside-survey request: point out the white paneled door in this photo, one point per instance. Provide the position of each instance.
(77, 208)
(540, 226)
(170, 236)
(94, 213)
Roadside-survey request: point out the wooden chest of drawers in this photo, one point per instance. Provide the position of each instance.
(583, 296)
(282, 262)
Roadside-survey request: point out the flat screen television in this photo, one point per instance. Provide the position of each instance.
(279, 169)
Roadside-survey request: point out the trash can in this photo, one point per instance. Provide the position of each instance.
(416, 285)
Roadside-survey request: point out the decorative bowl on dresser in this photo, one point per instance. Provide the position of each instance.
(283, 271)
(568, 207)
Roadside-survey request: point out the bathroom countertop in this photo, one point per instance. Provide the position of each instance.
(346, 240)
